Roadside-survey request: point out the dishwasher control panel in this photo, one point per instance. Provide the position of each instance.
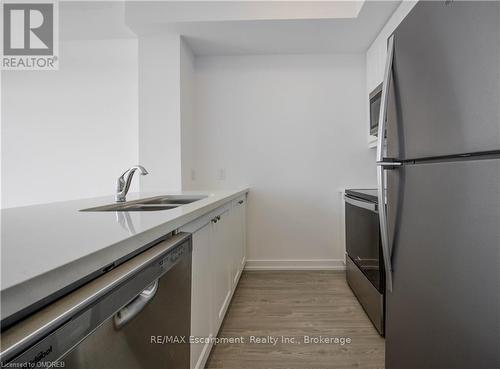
(174, 255)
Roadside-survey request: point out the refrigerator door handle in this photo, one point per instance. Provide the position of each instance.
(389, 164)
(383, 102)
(384, 236)
(382, 211)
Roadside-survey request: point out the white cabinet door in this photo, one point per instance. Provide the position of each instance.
(243, 221)
(239, 231)
(234, 252)
(217, 260)
(220, 261)
(201, 308)
(237, 220)
(201, 290)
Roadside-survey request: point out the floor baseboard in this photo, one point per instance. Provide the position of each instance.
(297, 264)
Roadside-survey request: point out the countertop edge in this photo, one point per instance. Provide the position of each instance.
(94, 262)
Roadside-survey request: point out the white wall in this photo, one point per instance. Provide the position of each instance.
(377, 52)
(70, 133)
(159, 112)
(187, 91)
(293, 128)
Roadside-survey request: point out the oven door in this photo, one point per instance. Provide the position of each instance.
(363, 243)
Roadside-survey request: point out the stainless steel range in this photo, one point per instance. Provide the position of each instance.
(365, 266)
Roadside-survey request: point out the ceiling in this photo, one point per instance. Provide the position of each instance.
(235, 28)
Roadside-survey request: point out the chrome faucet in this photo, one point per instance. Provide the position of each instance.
(123, 182)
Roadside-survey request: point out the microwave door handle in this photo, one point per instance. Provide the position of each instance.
(382, 210)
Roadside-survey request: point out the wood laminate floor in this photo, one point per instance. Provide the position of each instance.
(294, 304)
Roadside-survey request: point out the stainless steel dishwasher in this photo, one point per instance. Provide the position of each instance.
(135, 316)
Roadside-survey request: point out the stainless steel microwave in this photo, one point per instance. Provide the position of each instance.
(375, 99)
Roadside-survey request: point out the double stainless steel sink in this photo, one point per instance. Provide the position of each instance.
(166, 202)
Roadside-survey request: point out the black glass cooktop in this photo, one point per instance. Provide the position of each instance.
(369, 194)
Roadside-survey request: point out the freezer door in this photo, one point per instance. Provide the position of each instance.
(445, 93)
(444, 225)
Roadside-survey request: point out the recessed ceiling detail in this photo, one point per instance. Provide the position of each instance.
(235, 27)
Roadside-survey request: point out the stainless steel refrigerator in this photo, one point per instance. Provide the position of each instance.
(439, 175)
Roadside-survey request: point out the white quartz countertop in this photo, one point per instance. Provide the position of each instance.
(45, 248)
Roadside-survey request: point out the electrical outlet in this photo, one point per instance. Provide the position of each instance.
(222, 174)
(193, 175)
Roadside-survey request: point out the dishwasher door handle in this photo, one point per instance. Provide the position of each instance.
(133, 308)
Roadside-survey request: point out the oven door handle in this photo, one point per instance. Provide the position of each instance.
(361, 204)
